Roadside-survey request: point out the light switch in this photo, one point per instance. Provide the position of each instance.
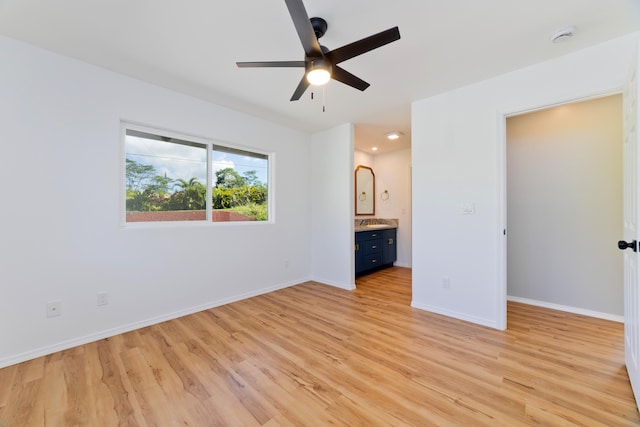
(468, 208)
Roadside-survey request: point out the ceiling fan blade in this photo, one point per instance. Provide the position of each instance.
(304, 28)
(302, 86)
(343, 76)
(270, 64)
(359, 47)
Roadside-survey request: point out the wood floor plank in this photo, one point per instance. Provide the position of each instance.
(313, 355)
(98, 392)
(116, 379)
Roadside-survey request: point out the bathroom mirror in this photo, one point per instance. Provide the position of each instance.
(365, 190)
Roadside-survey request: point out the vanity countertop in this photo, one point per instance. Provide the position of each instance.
(373, 227)
(372, 224)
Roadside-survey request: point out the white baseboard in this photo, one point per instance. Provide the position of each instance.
(65, 345)
(455, 315)
(345, 286)
(575, 310)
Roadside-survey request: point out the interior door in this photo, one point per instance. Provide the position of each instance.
(631, 231)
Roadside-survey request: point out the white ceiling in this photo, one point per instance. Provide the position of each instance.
(192, 46)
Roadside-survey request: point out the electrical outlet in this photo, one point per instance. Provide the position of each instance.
(445, 283)
(103, 298)
(54, 308)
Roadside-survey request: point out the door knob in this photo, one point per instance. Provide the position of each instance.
(626, 245)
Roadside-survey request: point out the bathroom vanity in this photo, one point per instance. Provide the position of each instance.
(375, 245)
(375, 240)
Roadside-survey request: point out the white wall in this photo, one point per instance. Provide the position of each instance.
(61, 237)
(457, 147)
(564, 206)
(332, 207)
(362, 158)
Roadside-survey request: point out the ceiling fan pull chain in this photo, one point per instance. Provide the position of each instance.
(323, 99)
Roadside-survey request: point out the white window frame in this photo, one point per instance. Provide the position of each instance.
(210, 143)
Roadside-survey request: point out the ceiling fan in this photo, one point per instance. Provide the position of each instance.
(320, 63)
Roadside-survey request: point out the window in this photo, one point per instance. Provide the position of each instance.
(175, 178)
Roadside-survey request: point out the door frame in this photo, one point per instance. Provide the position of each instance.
(502, 226)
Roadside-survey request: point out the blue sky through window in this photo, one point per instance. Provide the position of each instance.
(186, 161)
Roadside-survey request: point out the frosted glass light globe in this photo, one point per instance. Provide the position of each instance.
(318, 77)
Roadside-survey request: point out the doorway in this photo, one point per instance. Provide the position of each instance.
(564, 207)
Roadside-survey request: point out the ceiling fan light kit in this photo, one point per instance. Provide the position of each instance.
(319, 72)
(320, 63)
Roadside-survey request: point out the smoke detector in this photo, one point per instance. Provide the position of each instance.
(563, 34)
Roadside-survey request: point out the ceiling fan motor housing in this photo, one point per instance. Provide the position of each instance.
(318, 63)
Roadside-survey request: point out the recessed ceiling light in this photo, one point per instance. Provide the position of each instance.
(393, 135)
(563, 34)
(374, 148)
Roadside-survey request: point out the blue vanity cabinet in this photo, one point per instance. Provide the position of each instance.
(368, 250)
(375, 249)
(389, 248)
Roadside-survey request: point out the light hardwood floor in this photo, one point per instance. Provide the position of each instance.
(316, 355)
